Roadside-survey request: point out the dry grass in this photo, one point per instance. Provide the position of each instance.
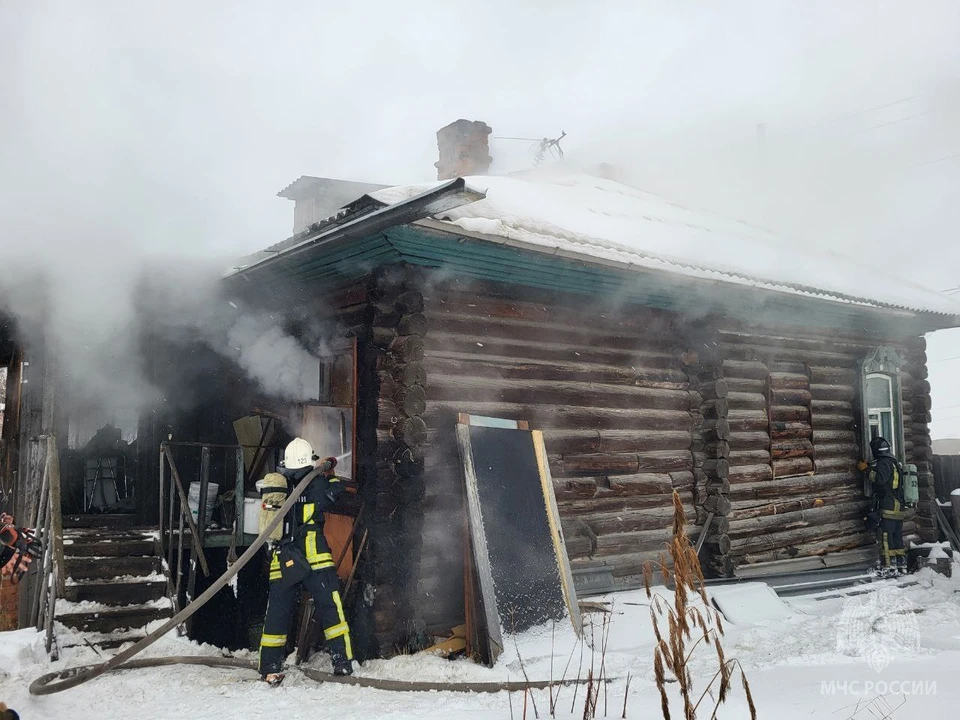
(680, 628)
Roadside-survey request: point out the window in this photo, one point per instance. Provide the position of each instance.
(881, 414)
(880, 418)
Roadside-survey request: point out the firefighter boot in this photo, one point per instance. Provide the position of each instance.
(341, 666)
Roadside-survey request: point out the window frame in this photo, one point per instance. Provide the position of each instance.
(884, 362)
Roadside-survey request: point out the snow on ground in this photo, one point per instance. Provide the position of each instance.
(843, 654)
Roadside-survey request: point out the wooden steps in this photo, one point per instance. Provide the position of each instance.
(115, 586)
(110, 592)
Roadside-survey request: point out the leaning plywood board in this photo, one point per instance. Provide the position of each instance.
(521, 562)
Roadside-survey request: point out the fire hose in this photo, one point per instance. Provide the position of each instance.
(72, 677)
(66, 679)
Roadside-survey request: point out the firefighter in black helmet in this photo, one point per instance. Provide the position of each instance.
(311, 565)
(886, 479)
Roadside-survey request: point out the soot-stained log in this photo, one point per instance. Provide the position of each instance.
(412, 400)
(716, 430)
(714, 389)
(412, 431)
(383, 336)
(409, 302)
(719, 468)
(721, 542)
(625, 464)
(407, 349)
(850, 540)
(412, 324)
(717, 449)
(411, 373)
(716, 408)
(386, 316)
(595, 441)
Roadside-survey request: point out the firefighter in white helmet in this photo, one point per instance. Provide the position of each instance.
(302, 558)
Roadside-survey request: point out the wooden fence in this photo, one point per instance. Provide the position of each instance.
(946, 473)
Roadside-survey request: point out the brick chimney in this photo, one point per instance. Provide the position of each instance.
(464, 149)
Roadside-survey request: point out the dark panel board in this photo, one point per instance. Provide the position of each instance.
(521, 563)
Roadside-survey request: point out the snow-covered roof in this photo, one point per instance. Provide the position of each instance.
(601, 220)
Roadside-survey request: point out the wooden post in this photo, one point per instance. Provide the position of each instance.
(196, 538)
(56, 514)
(185, 507)
(239, 495)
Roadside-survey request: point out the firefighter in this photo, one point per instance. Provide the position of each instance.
(303, 535)
(886, 478)
(14, 561)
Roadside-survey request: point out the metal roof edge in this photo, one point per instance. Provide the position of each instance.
(441, 198)
(945, 320)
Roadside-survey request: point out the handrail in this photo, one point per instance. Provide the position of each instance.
(175, 509)
(51, 578)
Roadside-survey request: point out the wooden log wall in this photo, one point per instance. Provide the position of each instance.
(390, 445)
(611, 396)
(793, 418)
(710, 437)
(915, 392)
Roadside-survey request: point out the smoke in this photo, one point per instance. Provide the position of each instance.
(275, 359)
(129, 151)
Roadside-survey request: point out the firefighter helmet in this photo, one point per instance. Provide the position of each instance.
(298, 454)
(879, 446)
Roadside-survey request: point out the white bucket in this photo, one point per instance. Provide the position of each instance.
(193, 500)
(251, 515)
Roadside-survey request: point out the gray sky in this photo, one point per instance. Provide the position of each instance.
(138, 128)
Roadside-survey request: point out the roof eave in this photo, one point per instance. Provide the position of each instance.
(920, 320)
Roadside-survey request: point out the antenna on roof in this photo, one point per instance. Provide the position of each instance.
(543, 146)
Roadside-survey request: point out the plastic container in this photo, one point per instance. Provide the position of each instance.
(251, 515)
(193, 500)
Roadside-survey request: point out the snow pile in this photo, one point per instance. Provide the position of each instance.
(749, 604)
(600, 219)
(20, 651)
